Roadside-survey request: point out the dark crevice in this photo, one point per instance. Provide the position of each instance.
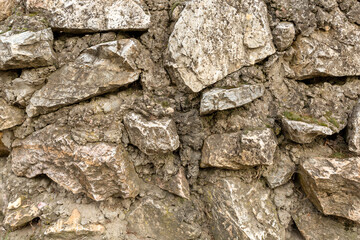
(320, 80)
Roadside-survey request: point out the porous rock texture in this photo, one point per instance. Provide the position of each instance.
(189, 120)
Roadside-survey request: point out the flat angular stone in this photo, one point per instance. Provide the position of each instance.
(72, 228)
(240, 210)
(333, 185)
(152, 136)
(353, 130)
(10, 116)
(303, 132)
(177, 184)
(328, 53)
(313, 225)
(281, 171)
(221, 99)
(26, 50)
(213, 38)
(92, 15)
(240, 149)
(98, 70)
(21, 216)
(100, 169)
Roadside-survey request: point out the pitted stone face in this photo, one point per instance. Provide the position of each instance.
(152, 136)
(214, 38)
(92, 15)
(26, 49)
(100, 170)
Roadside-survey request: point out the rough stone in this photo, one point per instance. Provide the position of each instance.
(4, 151)
(328, 53)
(162, 220)
(152, 136)
(332, 185)
(221, 99)
(99, 69)
(72, 228)
(177, 184)
(93, 15)
(281, 171)
(353, 130)
(303, 132)
(10, 116)
(240, 149)
(100, 170)
(220, 38)
(314, 225)
(23, 215)
(239, 210)
(284, 35)
(20, 90)
(26, 50)
(6, 7)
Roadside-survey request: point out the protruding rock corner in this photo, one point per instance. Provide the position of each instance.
(180, 120)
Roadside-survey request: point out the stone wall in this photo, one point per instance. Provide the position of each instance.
(180, 120)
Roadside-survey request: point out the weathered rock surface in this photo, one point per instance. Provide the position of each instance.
(315, 226)
(6, 6)
(281, 171)
(100, 170)
(99, 69)
(284, 35)
(21, 216)
(239, 210)
(353, 130)
(26, 50)
(4, 151)
(328, 53)
(221, 99)
(303, 132)
(177, 184)
(162, 220)
(240, 149)
(220, 38)
(19, 90)
(10, 116)
(332, 185)
(96, 15)
(72, 228)
(152, 136)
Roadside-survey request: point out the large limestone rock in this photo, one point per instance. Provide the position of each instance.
(213, 38)
(239, 210)
(303, 132)
(221, 99)
(100, 169)
(92, 15)
(315, 226)
(6, 6)
(10, 116)
(353, 130)
(72, 228)
(99, 69)
(240, 149)
(334, 52)
(333, 185)
(26, 49)
(152, 136)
